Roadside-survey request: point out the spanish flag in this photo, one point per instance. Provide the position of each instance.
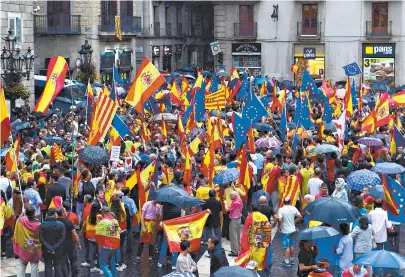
(391, 205)
(55, 81)
(12, 156)
(399, 98)
(5, 126)
(188, 227)
(263, 89)
(90, 93)
(207, 168)
(383, 111)
(56, 202)
(397, 139)
(235, 82)
(187, 169)
(175, 94)
(369, 122)
(348, 99)
(164, 131)
(193, 146)
(275, 103)
(146, 82)
(76, 182)
(251, 141)
(145, 133)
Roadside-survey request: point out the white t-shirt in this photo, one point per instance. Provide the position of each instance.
(314, 185)
(287, 215)
(4, 184)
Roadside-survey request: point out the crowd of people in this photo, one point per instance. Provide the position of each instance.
(50, 213)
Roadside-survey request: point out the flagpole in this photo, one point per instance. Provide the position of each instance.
(73, 153)
(87, 99)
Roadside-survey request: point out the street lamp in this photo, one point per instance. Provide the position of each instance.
(12, 62)
(85, 53)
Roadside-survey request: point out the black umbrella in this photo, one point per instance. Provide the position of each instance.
(93, 155)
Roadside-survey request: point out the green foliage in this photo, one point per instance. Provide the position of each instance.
(87, 71)
(17, 91)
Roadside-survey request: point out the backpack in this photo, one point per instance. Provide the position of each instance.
(87, 188)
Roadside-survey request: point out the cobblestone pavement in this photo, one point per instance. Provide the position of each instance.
(150, 269)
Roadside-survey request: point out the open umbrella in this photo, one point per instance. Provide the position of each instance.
(21, 156)
(291, 125)
(207, 74)
(317, 232)
(260, 80)
(93, 155)
(324, 148)
(286, 83)
(262, 127)
(184, 202)
(371, 141)
(388, 168)
(222, 74)
(381, 259)
(268, 142)
(226, 176)
(234, 271)
(179, 274)
(359, 179)
(54, 139)
(321, 210)
(166, 117)
(377, 191)
(169, 192)
(380, 86)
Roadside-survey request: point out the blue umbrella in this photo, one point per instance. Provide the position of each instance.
(381, 259)
(377, 191)
(226, 176)
(317, 232)
(388, 168)
(166, 194)
(54, 139)
(324, 148)
(184, 202)
(330, 126)
(21, 156)
(359, 179)
(207, 74)
(260, 80)
(262, 127)
(234, 271)
(286, 83)
(380, 86)
(320, 210)
(23, 126)
(291, 125)
(93, 155)
(179, 274)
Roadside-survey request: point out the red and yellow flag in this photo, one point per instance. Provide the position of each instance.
(213, 100)
(275, 102)
(148, 79)
(56, 202)
(117, 22)
(251, 141)
(56, 154)
(382, 111)
(164, 131)
(76, 182)
(187, 169)
(348, 99)
(5, 126)
(389, 202)
(90, 93)
(263, 89)
(292, 189)
(12, 156)
(193, 146)
(188, 227)
(55, 81)
(175, 94)
(399, 98)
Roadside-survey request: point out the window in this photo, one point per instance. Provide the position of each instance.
(16, 26)
(127, 8)
(309, 19)
(380, 18)
(246, 25)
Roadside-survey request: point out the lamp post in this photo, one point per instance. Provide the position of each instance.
(85, 61)
(15, 65)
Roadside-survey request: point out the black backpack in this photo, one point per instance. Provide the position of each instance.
(87, 188)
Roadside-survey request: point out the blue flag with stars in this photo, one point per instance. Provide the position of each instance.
(214, 83)
(244, 88)
(354, 94)
(117, 76)
(308, 84)
(352, 69)
(328, 111)
(296, 141)
(253, 109)
(297, 113)
(283, 123)
(397, 193)
(240, 130)
(306, 121)
(199, 103)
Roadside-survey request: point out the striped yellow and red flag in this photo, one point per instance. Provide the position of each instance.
(103, 116)
(145, 133)
(117, 22)
(56, 202)
(187, 169)
(187, 227)
(5, 126)
(76, 182)
(90, 93)
(244, 258)
(56, 154)
(251, 141)
(399, 98)
(263, 89)
(55, 81)
(164, 131)
(207, 167)
(191, 122)
(12, 156)
(148, 79)
(292, 189)
(348, 98)
(216, 99)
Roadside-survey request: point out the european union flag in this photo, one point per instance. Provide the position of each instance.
(305, 114)
(120, 126)
(240, 130)
(296, 141)
(151, 106)
(354, 94)
(253, 109)
(117, 77)
(309, 84)
(397, 193)
(328, 111)
(352, 69)
(214, 83)
(199, 103)
(243, 91)
(283, 123)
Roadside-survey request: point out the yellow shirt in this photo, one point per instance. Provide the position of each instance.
(227, 194)
(306, 175)
(202, 193)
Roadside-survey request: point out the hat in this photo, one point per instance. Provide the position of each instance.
(46, 167)
(120, 163)
(119, 193)
(251, 265)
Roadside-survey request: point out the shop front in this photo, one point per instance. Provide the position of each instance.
(156, 56)
(167, 58)
(309, 57)
(107, 60)
(379, 63)
(247, 56)
(122, 61)
(178, 51)
(124, 65)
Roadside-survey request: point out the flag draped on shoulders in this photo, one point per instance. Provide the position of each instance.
(26, 242)
(55, 81)
(188, 227)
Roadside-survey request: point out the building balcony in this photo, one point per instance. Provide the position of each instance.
(309, 30)
(60, 24)
(245, 30)
(383, 31)
(156, 29)
(129, 24)
(169, 29)
(179, 29)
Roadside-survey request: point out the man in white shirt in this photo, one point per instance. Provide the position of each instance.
(5, 184)
(380, 223)
(286, 217)
(314, 183)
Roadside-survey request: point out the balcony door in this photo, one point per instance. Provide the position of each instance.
(246, 23)
(108, 12)
(380, 18)
(310, 19)
(58, 14)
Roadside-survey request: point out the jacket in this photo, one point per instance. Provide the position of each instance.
(52, 235)
(218, 259)
(55, 190)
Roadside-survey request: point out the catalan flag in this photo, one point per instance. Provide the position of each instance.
(55, 81)
(148, 79)
(76, 182)
(56, 154)
(5, 126)
(188, 227)
(213, 100)
(12, 156)
(102, 118)
(117, 22)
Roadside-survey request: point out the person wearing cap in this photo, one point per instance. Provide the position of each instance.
(356, 270)
(287, 216)
(252, 266)
(321, 271)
